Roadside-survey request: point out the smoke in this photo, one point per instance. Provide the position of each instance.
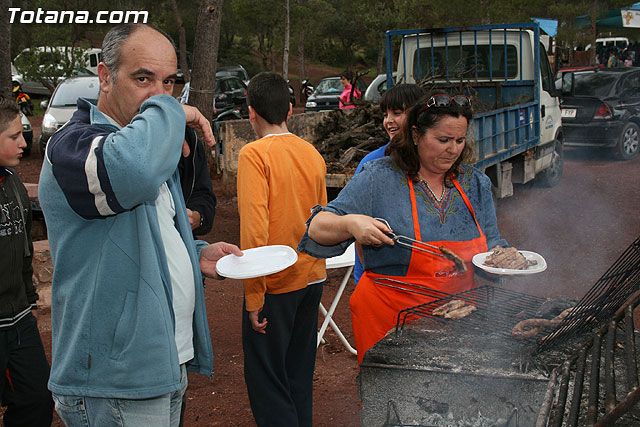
(580, 226)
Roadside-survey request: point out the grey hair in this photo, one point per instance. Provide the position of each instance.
(114, 40)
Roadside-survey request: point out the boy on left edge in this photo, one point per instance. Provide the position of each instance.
(24, 370)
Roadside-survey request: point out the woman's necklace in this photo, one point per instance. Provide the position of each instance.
(444, 189)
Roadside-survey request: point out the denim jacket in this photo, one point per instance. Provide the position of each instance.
(381, 190)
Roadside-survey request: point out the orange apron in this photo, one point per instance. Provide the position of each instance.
(374, 308)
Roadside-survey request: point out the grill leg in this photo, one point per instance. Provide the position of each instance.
(558, 411)
(630, 350)
(592, 409)
(610, 375)
(574, 412)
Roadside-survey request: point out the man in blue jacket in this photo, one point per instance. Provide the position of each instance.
(128, 310)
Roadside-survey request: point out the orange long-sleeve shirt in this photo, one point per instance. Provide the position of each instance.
(280, 178)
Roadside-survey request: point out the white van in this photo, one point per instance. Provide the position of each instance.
(94, 55)
(51, 55)
(619, 42)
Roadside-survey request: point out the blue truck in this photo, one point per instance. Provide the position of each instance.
(517, 121)
(504, 68)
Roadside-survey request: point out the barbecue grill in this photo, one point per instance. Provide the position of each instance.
(574, 396)
(432, 371)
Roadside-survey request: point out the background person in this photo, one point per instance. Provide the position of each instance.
(196, 182)
(426, 190)
(280, 178)
(196, 185)
(128, 310)
(394, 104)
(350, 92)
(612, 60)
(24, 370)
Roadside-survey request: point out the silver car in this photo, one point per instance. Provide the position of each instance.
(64, 103)
(27, 133)
(376, 88)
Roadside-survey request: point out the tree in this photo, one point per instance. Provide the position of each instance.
(51, 64)
(205, 56)
(301, 44)
(5, 50)
(182, 42)
(287, 37)
(263, 25)
(346, 27)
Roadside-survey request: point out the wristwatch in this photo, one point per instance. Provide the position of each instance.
(201, 220)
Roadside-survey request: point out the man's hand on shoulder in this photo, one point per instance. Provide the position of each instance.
(212, 253)
(196, 120)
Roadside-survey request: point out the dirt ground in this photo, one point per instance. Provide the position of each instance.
(580, 227)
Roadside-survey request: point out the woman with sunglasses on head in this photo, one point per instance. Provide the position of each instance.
(424, 189)
(395, 104)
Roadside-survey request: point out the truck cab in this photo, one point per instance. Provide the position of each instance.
(505, 70)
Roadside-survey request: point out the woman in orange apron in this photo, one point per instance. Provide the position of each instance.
(427, 160)
(374, 308)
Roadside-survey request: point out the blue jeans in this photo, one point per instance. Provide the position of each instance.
(161, 411)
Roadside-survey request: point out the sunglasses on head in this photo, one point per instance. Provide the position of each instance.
(444, 100)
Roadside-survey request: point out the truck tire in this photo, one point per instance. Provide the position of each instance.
(629, 144)
(551, 176)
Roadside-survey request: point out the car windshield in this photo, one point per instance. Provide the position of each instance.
(69, 91)
(328, 86)
(234, 73)
(593, 84)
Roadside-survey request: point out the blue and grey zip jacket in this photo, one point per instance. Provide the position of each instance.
(112, 317)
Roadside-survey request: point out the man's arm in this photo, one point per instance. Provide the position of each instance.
(253, 196)
(103, 171)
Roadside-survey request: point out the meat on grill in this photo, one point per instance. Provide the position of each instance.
(456, 309)
(445, 308)
(460, 312)
(530, 327)
(509, 258)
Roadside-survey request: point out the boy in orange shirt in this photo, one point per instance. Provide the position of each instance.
(280, 179)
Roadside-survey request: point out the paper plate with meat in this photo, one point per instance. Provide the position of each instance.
(510, 261)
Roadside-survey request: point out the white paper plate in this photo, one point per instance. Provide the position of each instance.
(257, 262)
(478, 261)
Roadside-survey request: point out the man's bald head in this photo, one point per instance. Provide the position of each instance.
(116, 37)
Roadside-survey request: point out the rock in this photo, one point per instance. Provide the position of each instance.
(32, 190)
(42, 272)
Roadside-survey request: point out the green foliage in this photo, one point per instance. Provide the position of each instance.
(49, 65)
(340, 33)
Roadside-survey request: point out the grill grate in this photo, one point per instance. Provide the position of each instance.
(600, 304)
(498, 309)
(575, 396)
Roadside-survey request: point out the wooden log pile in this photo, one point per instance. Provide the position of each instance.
(344, 137)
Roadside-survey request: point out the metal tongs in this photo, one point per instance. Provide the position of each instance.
(444, 252)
